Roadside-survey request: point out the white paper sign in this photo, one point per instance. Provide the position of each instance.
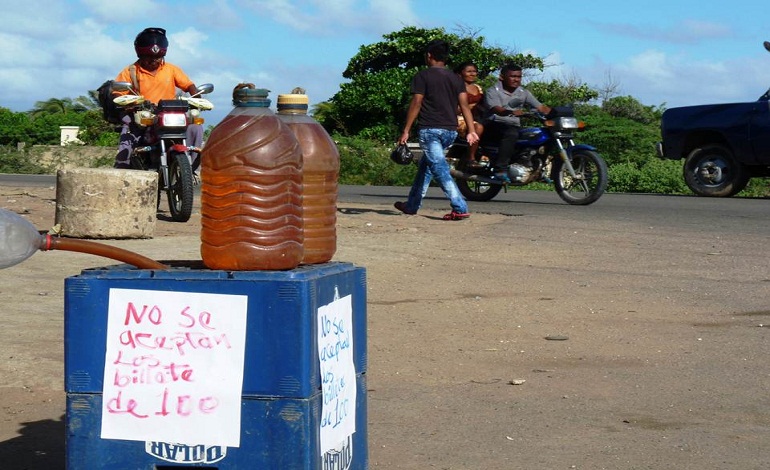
(338, 373)
(173, 370)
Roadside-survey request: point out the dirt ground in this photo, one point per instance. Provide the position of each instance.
(494, 343)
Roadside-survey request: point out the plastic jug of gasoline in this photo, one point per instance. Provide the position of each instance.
(320, 174)
(251, 189)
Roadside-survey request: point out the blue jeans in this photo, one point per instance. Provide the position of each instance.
(433, 165)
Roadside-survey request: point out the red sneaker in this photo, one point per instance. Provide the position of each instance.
(457, 216)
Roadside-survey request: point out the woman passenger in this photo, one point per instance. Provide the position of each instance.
(469, 73)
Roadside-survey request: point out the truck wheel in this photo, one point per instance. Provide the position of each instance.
(712, 171)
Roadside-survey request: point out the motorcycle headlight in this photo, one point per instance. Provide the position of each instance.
(174, 120)
(567, 123)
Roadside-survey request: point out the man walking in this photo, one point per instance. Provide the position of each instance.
(436, 94)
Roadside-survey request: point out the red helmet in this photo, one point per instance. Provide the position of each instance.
(151, 42)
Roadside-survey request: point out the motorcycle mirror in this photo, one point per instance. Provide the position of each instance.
(767, 45)
(204, 89)
(121, 86)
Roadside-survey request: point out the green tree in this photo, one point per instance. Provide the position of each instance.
(324, 112)
(96, 131)
(557, 93)
(14, 127)
(630, 108)
(373, 103)
(45, 129)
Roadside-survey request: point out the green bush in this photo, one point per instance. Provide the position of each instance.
(662, 177)
(367, 162)
(758, 187)
(654, 176)
(105, 161)
(18, 162)
(623, 178)
(618, 139)
(97, 131)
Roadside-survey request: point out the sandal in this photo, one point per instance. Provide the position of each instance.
(456, 216)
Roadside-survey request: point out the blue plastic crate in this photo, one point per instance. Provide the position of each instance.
(281, 357)
(276, 433)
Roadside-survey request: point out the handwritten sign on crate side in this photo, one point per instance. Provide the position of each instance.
(338, 374)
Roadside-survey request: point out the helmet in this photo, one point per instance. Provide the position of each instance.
(151, 42)
(401, 155)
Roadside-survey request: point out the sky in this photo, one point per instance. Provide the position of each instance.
(661, 52)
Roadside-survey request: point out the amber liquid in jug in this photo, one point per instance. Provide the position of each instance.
(251, 190)
(320, 174)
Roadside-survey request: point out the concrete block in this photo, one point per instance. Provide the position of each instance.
(106, 203)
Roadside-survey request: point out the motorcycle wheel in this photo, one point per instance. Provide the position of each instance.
(587, 189)
(138, 163)
(478, 191)
(180, 186)
(712, 171)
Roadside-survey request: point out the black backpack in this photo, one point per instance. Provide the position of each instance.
(110, 111)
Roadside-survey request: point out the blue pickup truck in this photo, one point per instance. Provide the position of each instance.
(723, 145)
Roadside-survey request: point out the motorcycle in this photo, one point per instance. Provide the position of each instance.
(163, 147)
(546, 153)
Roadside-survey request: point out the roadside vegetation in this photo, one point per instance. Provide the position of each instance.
(365, 115)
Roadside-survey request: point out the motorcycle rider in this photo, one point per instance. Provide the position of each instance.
(504, 102)
(157, 80)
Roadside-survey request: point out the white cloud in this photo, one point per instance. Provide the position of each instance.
(703, 29)
(121, 11)
(284, 12)
(17, 51)
(687, 31)
(651, 66)
(33, 18)
(393, 14)
(19, 84)
(654, 78)
(188, 41)
(328, 17)
(219, 15)
(86, 44)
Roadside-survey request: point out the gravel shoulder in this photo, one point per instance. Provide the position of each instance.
(495, 342)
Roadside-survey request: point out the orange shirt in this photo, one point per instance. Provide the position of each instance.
(160, 84)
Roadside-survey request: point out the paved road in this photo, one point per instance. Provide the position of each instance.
(728, 215)
(737, 215)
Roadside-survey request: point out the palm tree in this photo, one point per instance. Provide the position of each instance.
(92, 100)
(61, 106)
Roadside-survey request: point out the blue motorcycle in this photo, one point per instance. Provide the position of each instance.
(546, 153)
